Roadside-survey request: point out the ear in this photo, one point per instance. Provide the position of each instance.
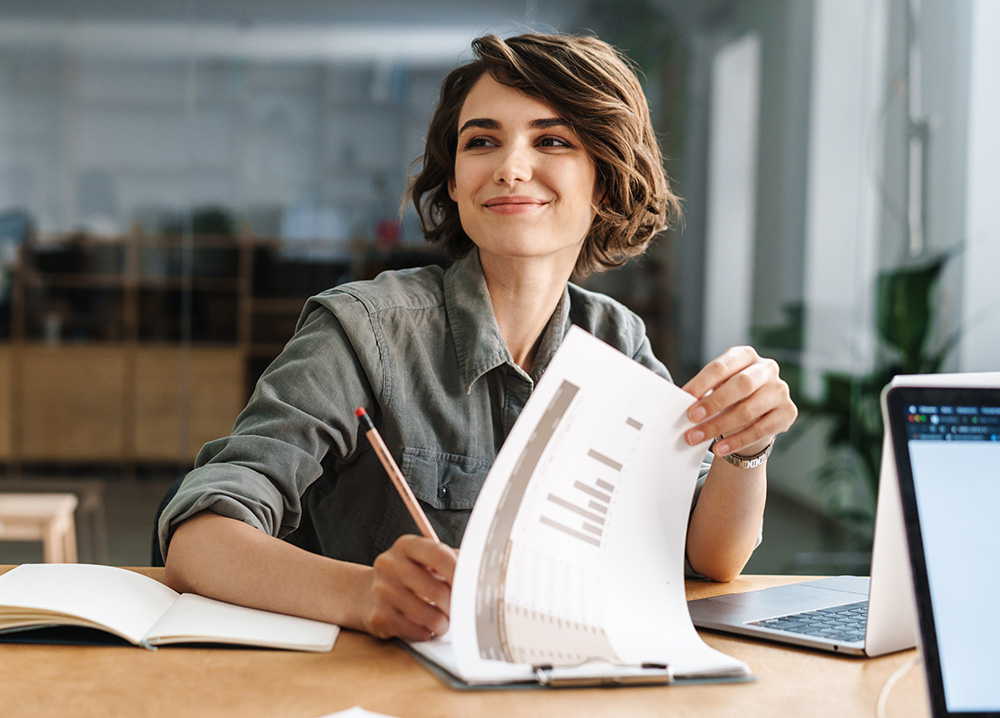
(451, 189)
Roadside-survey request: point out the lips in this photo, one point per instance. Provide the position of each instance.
(514, 204)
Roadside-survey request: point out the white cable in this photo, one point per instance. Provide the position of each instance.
(883, 696)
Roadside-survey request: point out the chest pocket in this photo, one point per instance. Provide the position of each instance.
(444, 481)
(446, 485)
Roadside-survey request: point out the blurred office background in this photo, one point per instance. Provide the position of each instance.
(177, 177)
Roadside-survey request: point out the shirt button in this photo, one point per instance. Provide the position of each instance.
(442, 492)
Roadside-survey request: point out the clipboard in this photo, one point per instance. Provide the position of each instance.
(592, 674)
(611, 547)
(603, 675)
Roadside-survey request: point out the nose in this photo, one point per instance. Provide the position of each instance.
(514, 165)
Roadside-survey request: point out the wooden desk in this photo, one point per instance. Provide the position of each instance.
(41, 681)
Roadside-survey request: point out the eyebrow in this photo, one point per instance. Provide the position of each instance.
(485, 123)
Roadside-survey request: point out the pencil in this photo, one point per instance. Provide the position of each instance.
(403, 488)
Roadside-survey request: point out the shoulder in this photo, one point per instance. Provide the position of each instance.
(405, 289)
(607, 319)
(612, 322)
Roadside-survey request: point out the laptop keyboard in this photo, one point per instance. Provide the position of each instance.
(839, 623)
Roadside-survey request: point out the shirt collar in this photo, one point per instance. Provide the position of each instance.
(552, 337)
(478, 341)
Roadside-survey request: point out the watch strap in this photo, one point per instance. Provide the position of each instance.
(749, 462)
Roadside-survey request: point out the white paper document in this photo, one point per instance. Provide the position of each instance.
(357, 712)
(574, 553)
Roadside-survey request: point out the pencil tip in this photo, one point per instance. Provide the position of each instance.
(359, 412)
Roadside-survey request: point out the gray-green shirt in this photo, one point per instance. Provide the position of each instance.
(421, 351)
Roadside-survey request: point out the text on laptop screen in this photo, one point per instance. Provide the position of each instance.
(954, 453)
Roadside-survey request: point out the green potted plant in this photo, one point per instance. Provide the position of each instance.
(849, 404)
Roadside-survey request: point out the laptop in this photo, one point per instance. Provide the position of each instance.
(853, 615)
(947, 449)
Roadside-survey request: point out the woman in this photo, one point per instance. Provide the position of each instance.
(540, 159)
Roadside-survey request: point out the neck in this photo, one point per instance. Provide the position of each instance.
(524, 295)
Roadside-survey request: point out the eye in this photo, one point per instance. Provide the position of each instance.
(550, 141)
(479, 142)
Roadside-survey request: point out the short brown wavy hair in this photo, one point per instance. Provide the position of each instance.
(594, 88)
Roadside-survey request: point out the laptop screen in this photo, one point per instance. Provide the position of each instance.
(947, 446)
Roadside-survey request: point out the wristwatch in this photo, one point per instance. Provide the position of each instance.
(748, 462)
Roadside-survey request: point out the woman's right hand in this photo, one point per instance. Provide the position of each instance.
(409, 591)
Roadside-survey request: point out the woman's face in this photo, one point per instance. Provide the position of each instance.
(524, 184)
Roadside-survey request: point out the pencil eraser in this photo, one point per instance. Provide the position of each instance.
(359, 412)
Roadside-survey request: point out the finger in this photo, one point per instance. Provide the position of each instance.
(393, 600)
(719, 369)
(751, 440)
(428, 588)
(733, 406)
(415, 608)
(431, 569)
(753, 422)
(397, 569)
(738, 415)
(388, 622)
(738, 387)
(439, 558)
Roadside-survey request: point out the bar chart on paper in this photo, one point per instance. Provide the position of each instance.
(558, 502)
(573, 556)
(588, 500)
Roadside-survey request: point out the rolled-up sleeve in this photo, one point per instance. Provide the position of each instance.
(302, 408)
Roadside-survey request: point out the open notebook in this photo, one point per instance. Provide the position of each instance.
(70, 602)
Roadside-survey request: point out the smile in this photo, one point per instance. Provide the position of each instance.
(514, 205)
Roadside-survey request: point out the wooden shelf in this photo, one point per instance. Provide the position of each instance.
(126, 390)
(278, 306)
(184, 399)
(71, 403)
(203, 284)
(6, 410)
(78, 281)
(128, 401)
(265, 351)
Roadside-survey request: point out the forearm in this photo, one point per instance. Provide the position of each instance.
(229, 560)
(726, 521)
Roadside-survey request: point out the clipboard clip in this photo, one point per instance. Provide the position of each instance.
(600, 674)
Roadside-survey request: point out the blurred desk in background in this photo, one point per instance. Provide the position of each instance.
(91, 522)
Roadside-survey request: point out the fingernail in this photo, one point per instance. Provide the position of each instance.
(698, 413)
(696, 437)
(722, 449)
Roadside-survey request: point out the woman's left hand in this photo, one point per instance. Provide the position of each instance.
(742, 399)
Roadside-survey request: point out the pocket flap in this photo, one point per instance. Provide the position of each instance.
(444, 481)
